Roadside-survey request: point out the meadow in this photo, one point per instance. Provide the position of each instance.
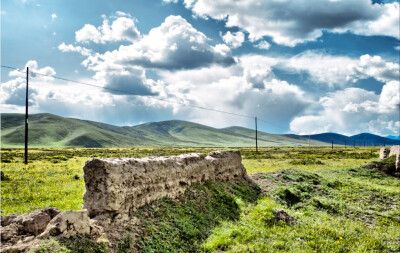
(54, 177)
(336, 204)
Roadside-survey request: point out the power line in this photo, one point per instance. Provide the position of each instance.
(131, 93)
(150, 97)
(269, 123)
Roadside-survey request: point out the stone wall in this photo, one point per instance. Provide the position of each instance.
(118, 186)
(394, 150)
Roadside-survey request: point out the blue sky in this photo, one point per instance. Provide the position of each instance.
(305, 66)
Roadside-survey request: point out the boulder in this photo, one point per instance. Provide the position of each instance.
(8, 219)
(34, 222)
(8, 232)
(67, 224)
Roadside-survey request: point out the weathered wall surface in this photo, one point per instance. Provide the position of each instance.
(120, 186)
(394, 150)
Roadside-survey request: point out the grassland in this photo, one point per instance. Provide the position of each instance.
(54, 177)
(337, 206)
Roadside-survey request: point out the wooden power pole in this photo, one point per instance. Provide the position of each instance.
(26, 116)
(256, 135)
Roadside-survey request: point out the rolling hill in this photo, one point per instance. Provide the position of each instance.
(48, 130)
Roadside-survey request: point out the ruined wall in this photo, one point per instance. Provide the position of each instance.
(118, 186)
(394, 150)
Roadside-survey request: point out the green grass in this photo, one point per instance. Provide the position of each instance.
(54, 177)
(181, 225)
(341, 210)
(338, 206)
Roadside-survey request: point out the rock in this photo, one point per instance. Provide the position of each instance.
(18, 226)
(281, 215)
(383, 153)
(51, 211)
(8, 219)
(26, 245)
(67, 224)
(8, 232)
(117, 187)
(34, 222)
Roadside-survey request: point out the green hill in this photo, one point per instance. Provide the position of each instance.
(272, 139)
(47, 130)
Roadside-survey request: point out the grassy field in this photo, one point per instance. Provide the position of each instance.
(336, 205)
(54, 177)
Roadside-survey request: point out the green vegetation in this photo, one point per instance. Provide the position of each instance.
(328, 199)
(181, 225)
(348, 210)
(71, 245)
(54, 177)
(51, 131)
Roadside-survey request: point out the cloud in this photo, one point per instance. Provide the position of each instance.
(86, 102)
(131, 81)
(71, 48)
(234, 40)
(376, 67)
(175, 44)
(247, 88)
(170, 1)
(45, 73)
(263, 45)
(389, 99)
(122, 28)
(339, 71)
(53, 16)
(123, 14)
(291, 22)
(387, 23)
(13, 92)
(354, 110)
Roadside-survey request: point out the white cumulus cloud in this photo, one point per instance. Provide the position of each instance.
(354, 110)
(291, 22)
(175, 44)
(234, 40)
(121, 28)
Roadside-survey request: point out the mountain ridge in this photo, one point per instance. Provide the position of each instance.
(49, 130)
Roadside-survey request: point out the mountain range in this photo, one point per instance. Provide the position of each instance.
(48, 130)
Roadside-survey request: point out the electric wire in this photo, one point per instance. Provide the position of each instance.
(148, 96)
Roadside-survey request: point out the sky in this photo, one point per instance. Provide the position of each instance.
(299, 66)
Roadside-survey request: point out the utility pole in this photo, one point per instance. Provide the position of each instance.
(256, 135)
(332, 144)
(26, 116)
